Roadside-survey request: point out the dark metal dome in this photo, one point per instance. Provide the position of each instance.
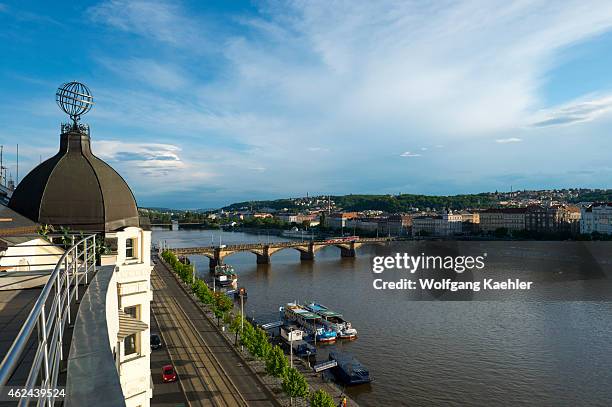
(76, 189)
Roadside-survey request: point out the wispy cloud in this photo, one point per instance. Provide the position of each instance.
(409, 154)
(159, 20)
(318, 149)
(508, 140)
(159, 75)
(150, 157)
(224, 101)
(575, 112)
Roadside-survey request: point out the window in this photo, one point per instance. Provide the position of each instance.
(129, 344)
(129, 248)
(133, 311)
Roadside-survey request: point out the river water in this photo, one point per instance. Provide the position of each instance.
(542, 347)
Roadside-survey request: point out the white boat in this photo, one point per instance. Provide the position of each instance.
(311, 322)
(333, 320)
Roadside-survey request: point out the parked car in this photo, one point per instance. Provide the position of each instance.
(168, 374)
(156, 342)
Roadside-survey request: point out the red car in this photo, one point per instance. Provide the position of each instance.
(168, 374)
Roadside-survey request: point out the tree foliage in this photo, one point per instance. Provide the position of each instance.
(294, 383)
(321, 398)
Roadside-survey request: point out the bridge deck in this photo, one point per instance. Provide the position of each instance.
(275, 245)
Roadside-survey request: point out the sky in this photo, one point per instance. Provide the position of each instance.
(199, 104)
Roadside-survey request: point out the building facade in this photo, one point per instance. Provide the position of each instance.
(447, 224)
(511, 219)
(596, 218)
(552, 219)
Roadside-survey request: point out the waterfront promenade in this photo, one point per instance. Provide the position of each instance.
(210, 372)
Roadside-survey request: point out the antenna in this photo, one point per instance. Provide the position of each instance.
(17, 178)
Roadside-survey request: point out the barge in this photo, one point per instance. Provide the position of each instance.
(309, 321)
(334, 321)
(348, 370)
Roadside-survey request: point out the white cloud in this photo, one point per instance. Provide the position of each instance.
(577, 111)
(508, 140)
(361, 78)
(148, 71)
(149, 157)
(318, 149)
(409, 154)
(159, 20)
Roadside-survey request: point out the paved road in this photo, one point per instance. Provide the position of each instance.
(164, 394)
(210, 372)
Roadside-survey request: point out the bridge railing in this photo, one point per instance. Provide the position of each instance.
(255, 246)
(48, 321)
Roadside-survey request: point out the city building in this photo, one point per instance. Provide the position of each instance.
(395, 225)
(510, 219)
(596, 218)
(551, 219)
(338, 220)
(447, 224)
(287, 217)
(362, 224)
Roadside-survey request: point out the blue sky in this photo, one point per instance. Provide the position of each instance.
(199, 104)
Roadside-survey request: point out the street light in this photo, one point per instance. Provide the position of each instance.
(291, 346)
(242, 314)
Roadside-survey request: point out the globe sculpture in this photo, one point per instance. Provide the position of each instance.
(75, 99)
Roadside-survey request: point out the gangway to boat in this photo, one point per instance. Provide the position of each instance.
(328, 364)
(271, 325)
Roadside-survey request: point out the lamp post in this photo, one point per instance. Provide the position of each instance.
(291, 347)
(241, 315)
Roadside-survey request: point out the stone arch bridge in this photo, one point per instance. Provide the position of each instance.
(264, 251)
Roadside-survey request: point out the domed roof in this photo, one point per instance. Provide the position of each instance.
(76, 189)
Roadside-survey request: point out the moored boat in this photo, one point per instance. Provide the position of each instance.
(333, 320)
(294, 337)
(309, 321)
(225, 275)
(349, 371)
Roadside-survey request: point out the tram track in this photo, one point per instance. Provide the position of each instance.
(210, 372)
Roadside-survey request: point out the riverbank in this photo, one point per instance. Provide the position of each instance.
(257, 367)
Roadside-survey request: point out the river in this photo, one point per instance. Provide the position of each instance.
(544, 347)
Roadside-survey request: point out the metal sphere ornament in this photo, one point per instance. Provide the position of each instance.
(75, 99)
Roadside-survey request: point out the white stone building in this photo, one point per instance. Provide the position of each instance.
(596, 218)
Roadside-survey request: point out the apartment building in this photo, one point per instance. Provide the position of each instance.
(596, 218)
(510, 219)
(447, 224)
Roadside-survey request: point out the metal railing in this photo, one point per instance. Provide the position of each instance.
(48, 321)
(249, 246)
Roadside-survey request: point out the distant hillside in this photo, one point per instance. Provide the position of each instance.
(387, 203)
(594, 196)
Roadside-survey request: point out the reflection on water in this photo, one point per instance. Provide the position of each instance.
(421, 353)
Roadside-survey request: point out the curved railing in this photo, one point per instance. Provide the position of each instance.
(47, 320)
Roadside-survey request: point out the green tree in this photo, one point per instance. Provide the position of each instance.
(294, 384)
(262, 346)
(235, 326)
(276, 362)
(321, 398)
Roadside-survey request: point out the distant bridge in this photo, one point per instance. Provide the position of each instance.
(264, 251)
